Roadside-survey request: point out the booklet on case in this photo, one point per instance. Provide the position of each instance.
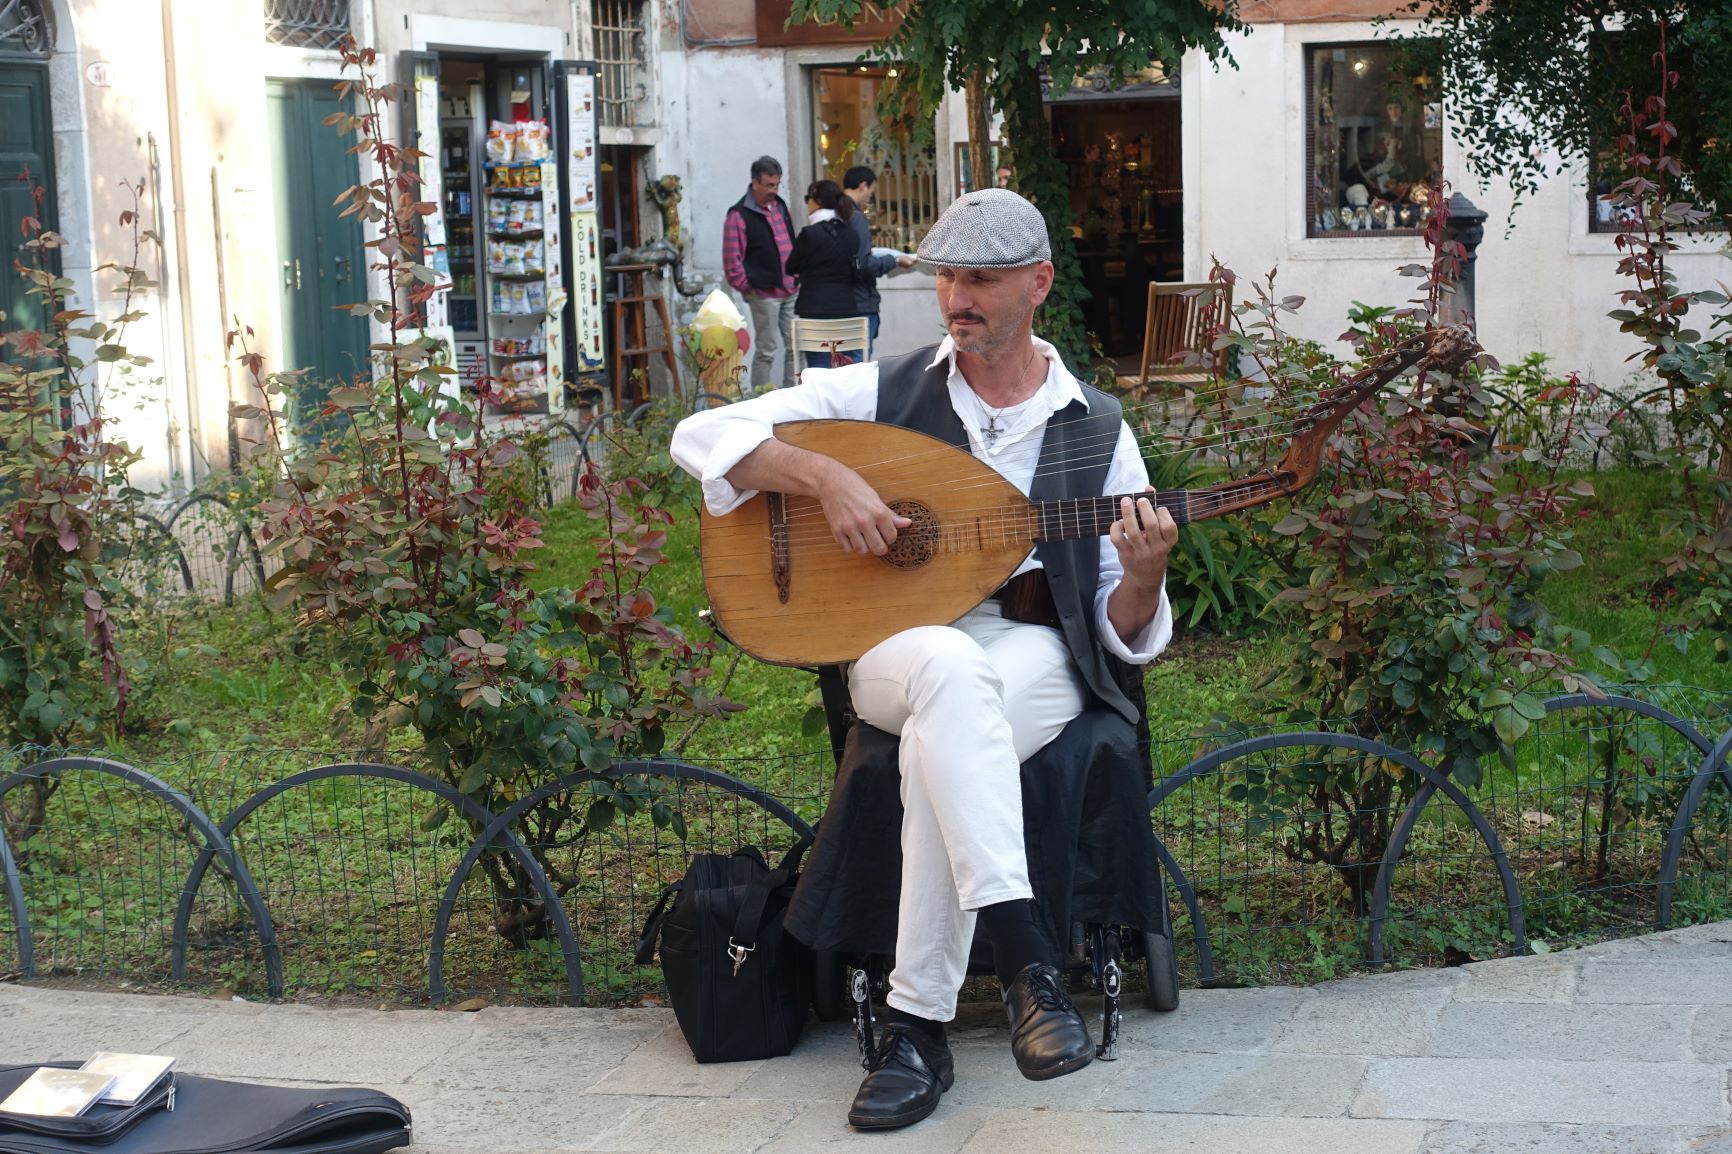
(135, 1075)
(51, 1092)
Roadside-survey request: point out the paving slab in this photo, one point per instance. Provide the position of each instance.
(1518, 980)
(326, 1046)
(1550, 1138)
(663, 1065)
(1545, 1030)
(1029, 1132)
(1544, 1090)
(1711, 1033)
(1224, 1021)
(1683, 979)
(1361, 1018)
(1295, 1085)
(697, 1126)
(555, 1058)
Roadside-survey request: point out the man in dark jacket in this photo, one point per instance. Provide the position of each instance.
(756, 241)
(861, 185)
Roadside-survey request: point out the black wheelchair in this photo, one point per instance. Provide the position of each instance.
(1091, 853)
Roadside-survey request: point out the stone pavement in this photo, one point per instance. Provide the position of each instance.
(1621, 1048)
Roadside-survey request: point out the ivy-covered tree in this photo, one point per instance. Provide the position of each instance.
(1006, 47)
(1532, 84)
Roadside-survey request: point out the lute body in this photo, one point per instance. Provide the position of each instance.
(783, 590)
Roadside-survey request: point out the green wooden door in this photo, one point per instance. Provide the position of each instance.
(321, 264)
(26, 162)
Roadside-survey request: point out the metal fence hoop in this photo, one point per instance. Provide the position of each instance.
(1633, 705)
(549, 471)
(156, 525)
(1188, 895)
(471, 809)
(231, 559)
(676, 770)
(20, 912)
(243, 535)
(1714, 762)
(213, 838)
(1693, 795)
(1434, 781)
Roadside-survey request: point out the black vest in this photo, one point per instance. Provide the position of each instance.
(1071, 465)
(762, 258)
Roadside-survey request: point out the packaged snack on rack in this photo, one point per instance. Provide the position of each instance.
(514, 215)
(497, 215)
(535, 296)
(531, 215)
(501, 141)
(517, 300)
(496, 256)
(533, 141)
(513, 259)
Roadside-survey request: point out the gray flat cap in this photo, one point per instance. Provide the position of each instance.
(991, 228)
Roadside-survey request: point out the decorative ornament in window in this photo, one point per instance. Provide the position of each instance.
(307, 23)
(26, 29)
(1374, 142)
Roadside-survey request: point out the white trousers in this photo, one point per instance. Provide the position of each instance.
(971, 702)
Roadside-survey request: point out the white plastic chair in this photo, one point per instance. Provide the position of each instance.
(841, 335)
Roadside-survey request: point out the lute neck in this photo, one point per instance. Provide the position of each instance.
(1072, 519)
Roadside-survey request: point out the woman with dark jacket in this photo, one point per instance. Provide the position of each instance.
(823, 259)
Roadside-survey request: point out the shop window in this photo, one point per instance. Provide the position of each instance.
(847, 132)
(1374, 139)
(619, 49)
(307, 23)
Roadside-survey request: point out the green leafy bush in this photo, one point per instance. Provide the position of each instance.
(1416, 569)
(412, 544)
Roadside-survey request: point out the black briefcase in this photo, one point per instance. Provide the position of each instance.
(194, 1115)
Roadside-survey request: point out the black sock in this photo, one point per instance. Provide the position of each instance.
(1017, 938)
(932, 1029)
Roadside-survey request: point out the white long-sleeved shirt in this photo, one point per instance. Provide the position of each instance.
(708, 444)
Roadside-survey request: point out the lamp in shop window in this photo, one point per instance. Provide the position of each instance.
(1360, 65)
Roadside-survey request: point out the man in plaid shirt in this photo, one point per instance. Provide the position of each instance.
(756, 241)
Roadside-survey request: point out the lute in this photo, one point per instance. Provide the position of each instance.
(785, 592)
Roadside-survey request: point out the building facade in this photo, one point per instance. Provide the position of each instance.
(206, 119)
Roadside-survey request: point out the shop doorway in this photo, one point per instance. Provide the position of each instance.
(321, 261)
(1127, 195)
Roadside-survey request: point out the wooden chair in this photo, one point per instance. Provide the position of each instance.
(1175, 336)
(843, 336)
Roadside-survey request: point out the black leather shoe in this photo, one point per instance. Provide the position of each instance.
(1047, 1035)
(909, 1073)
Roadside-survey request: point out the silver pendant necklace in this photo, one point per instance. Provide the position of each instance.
(990, 432)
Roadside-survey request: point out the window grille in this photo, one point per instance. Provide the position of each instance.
(847, 132)
(307, 23)
(26, 29)
(619, 48)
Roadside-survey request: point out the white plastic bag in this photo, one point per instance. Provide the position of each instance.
(718, 309)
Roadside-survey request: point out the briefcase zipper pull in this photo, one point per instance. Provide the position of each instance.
(738, 952)
(171, 1095)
